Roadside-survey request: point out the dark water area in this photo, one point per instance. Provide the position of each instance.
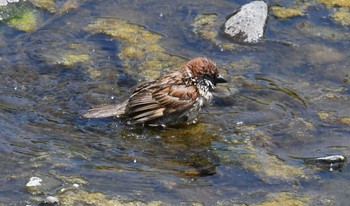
(287, 99)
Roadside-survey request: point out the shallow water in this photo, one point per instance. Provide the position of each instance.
(287, 99)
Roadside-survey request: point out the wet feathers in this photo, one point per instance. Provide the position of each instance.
(173, 98)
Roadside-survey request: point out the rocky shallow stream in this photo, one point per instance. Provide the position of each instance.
(269, 138)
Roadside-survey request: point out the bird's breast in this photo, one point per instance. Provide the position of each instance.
(205, 93)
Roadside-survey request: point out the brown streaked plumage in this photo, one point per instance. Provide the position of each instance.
(171, 99)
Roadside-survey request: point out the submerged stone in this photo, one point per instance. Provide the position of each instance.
(39, 185)
(70, 5)
(50, 200)
(285, 12)
(258, 160)
(321, 54)
(97, 199)
(247, 23)
(26, 21)
(19, 15)
(244, 64)
(345, 120)
(203, 25)
(49, 5)
(207, 27)
(140, 48)
(284, 198)
(342, 16)
(70, 59)
(331, 3)
(53, 7)
(269, 167)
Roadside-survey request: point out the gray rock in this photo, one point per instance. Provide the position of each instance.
(331, 163)
(247, 24)
(37, 186)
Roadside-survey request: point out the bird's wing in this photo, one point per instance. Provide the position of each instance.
(158, 101)
(141, 86)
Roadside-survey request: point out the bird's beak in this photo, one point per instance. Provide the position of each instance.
(220, 79)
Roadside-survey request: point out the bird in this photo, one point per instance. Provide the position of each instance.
(171, 99)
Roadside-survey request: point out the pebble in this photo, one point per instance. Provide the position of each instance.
(34, 181)
(51, 200)
(332, 159)
(331, 162)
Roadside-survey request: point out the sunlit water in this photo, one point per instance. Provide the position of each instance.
(287, 99)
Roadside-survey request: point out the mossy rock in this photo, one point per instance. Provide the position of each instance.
(286, 12)
(98, 199)
(140, 48)
(324, 32)
(345, 120)
(342, 16)
(49, 5)
(286, 199)
(207, 27)
(71, 59)
(332, 3)
(27, 21)
(269, 167)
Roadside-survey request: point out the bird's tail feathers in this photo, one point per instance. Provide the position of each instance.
(106, 111)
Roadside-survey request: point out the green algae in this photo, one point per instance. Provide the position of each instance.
(69, 179)
(94, 73)
(342, 16)
(323, 32)
(86, 198)
(75, 54)
(70, 55)
(332, 3)
(140, 48)
(26, 21)
(323, 115)
(13, 10)
(69, 5)
(252, 154)
(203, 25)
(286, 12)
(49, 5)
(52, 7)
(285, 199)
(345, 120)
(269, 167)
(98, 199)
(194, 135)
(70, 59)
(331, 117)
(206, 26)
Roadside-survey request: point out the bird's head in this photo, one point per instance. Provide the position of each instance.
(203, 69)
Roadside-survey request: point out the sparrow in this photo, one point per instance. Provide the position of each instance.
(172, 99)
